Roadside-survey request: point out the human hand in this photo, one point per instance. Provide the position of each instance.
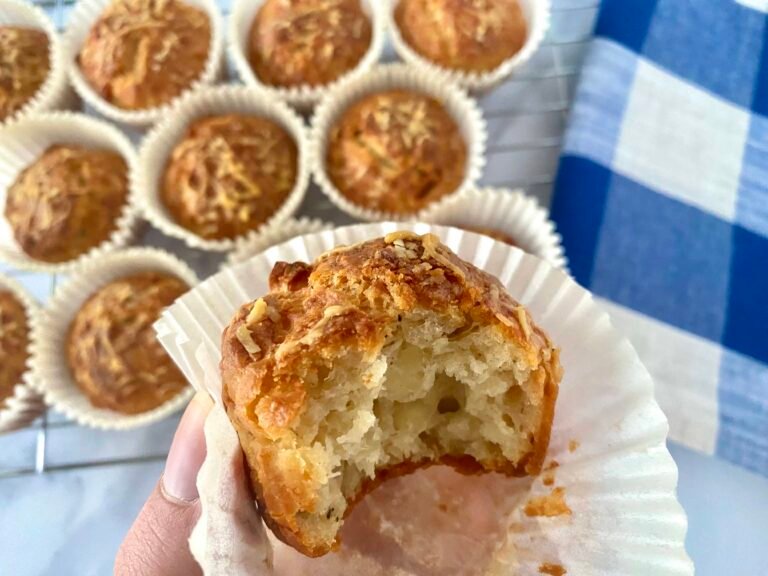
(157, 543)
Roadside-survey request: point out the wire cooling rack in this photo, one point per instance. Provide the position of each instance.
(526, 118)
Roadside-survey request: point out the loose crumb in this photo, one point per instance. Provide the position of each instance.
(551, 505)
(552, 465)
(552, 569)
(548, 478)
(573, 445)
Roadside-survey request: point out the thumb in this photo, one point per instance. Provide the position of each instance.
(157, 543)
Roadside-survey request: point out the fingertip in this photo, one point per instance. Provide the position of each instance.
(187, 453)
(201, 402)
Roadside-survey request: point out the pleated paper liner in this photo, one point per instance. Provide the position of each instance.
(463, 109)
(55, 93)
(276, 233)
(25, 404)
(510, 212)
(50, 371)
(613, 487)
(160, 142)
(82, 18)
(537, 15)
(239, 25)
(24, 141)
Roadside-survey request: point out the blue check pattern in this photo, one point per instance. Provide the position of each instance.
(662, 201)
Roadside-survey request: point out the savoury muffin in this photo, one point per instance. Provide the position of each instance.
(24, 67)
(229, 175)
(464, 35)
(112, 351)
(307, 42)
(67, 202)
(14, 338)
(396, 152)
(144, 53)
(375, 360)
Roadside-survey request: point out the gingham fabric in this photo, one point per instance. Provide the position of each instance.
(662, 201)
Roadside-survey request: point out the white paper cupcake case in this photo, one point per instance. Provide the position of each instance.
(619, 483)
(272, 235)
(82, 18)
(461, 107)
(24, 141)
(302, 97)
(537, 14)
(51, 374)
(508, 211)
(159, 144)
(25, 404)
(55, 92)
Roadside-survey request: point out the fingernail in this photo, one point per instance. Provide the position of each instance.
(187, 451)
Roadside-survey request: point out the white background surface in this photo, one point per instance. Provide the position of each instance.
(71, 519)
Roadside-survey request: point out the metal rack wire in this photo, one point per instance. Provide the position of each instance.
(526, 120)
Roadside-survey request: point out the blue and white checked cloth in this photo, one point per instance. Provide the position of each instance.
(662, 201)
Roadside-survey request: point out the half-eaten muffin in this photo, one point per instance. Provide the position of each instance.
(376, 360)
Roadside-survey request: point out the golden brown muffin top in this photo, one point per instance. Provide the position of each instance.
(14, 338)
(24, 66)
(397, 152)
(468, 35)
(308, 42)
(351, 297)
(144, 53)
(229, 175)
(67, 202)
(113, 353)
(493, 233)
